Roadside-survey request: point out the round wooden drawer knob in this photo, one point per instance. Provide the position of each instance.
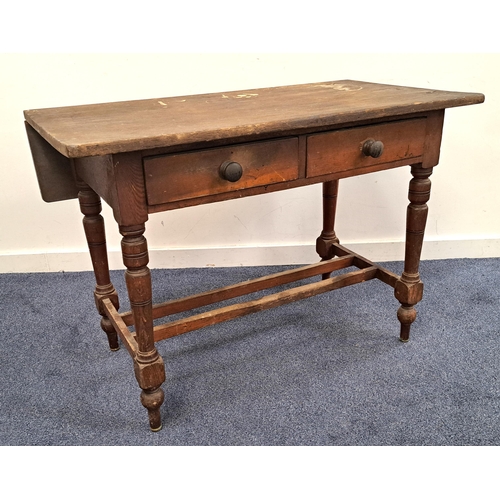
(231, 171)
(373, 148)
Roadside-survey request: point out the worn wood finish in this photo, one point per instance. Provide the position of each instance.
(278, 299)
(244, 288)
(54, 171)
(192, 175)
(148, 364)
(433, 134)
(163, 154)
(130, 206)
(99, 129)
(98, 173)
(409, 288)
(120, 327)
(384, 275)
(341, 150)
(93, 223)
(271, 188)
(328, 237)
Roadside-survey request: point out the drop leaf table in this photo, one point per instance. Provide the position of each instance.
(162, 154)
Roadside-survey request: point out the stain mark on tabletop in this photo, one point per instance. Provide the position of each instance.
(240, 96)
(340, 86)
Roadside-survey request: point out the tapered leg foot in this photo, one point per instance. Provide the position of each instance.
(406, 316)
(110, 332)
(152, 401)
(150, 374)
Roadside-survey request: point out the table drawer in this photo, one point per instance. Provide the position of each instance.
(184, 176)
(342, 150)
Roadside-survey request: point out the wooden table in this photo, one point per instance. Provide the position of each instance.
(163, 154)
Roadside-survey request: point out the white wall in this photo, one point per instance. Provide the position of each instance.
(275, 228)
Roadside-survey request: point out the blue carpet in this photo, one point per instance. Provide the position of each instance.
(326, 371)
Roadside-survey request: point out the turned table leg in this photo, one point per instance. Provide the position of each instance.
(409, 288)
(148, 364)
(93, 223)
(328, 237)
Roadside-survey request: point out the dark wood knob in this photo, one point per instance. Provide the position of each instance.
(373, 148)
(231, 171)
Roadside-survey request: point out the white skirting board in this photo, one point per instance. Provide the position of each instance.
(246, 256)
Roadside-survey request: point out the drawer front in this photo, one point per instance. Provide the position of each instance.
(190, 175)
(341, 150)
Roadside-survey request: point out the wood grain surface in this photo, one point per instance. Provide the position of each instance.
(99, 129)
